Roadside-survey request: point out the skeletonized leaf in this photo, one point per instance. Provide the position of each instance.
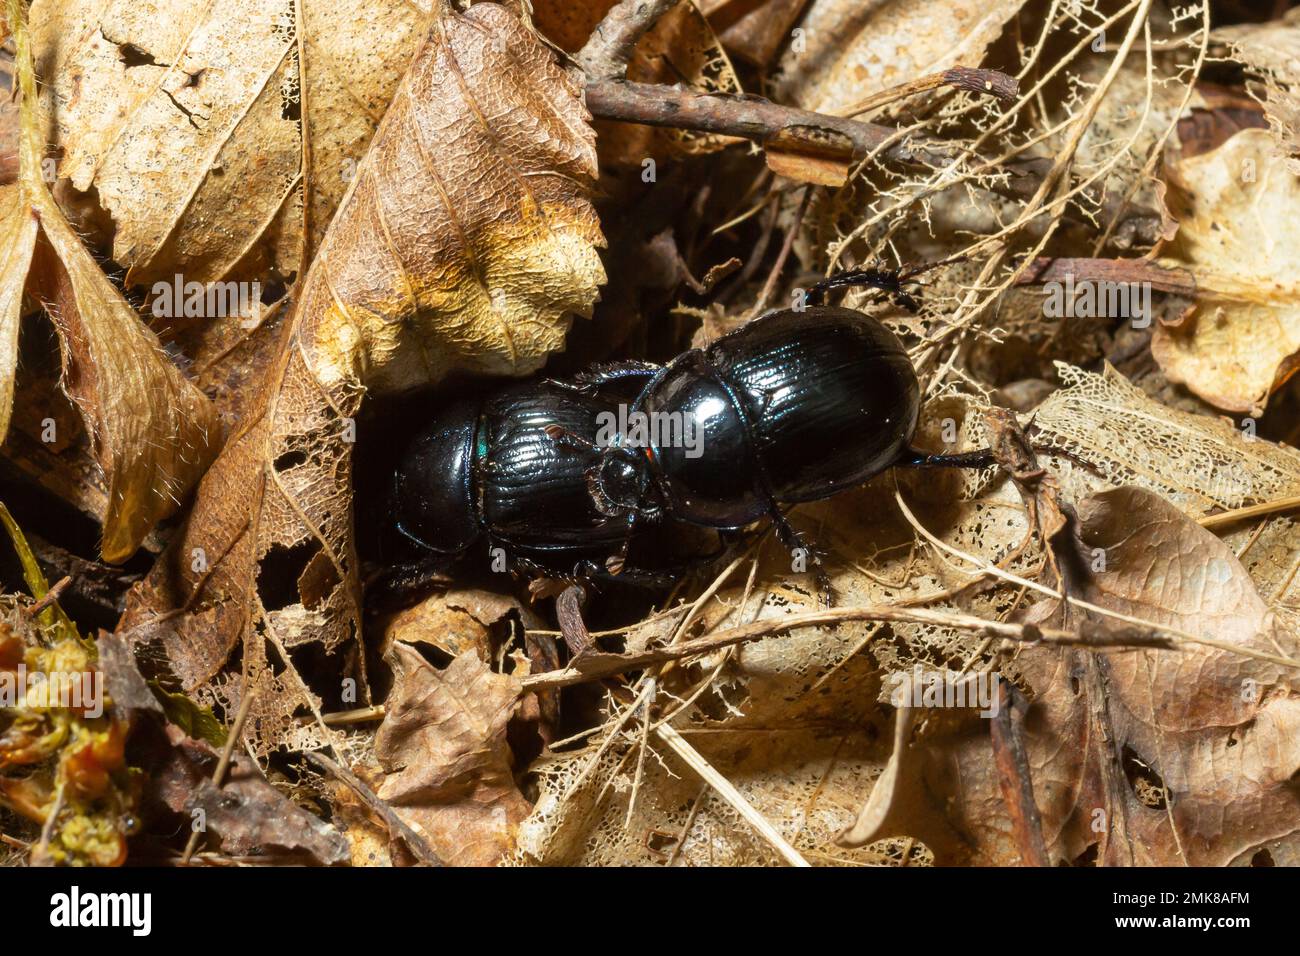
(152, 432)
(467, 242)
(1236, 207)
(1271, 51)
(264, 109)
(1106, 423)
(443, 747)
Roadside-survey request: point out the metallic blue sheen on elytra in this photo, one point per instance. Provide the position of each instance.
(485, 468)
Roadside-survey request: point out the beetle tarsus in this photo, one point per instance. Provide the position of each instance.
(793, 541)
(968, 459)
(889, 281)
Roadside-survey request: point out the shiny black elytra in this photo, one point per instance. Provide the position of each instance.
(485, 473)
(794, 406)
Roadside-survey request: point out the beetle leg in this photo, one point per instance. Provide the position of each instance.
(889, 281)
(569, 441)
(969, 459)
(793, 541)
(593, 379)
(404, 583)
(591, 571)
(615, 563)
(416, 539)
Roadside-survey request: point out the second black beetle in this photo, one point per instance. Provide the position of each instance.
(490, 474)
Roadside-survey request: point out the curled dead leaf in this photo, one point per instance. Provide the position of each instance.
(443, 747)
(152, 432)
(852, 50)
(1241, 340)
(467, 242)
(265, 110)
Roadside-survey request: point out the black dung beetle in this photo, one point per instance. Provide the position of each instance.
(494, 473)
(794, 406)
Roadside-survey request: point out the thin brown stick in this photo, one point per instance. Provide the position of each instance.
(770, 285)
(609, 48)
(990, 82)
(51, 596)
(396, 825)
(41, 854)
(749, 117)
(1250, 511)
(598, 666)
(227, 752)
(1014, 780)
(361, 715)
(782, 127)
(1045, 269)
(734, 798)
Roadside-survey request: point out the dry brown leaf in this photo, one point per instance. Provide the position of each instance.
(753, 31)
(152, 432)
(443, 747)
(1271, 51)
(1236, 207)
(17, 242)
(219, 137)
(1217, 730)
(246, 815)
(850, 49)
(1156, 757)
(455, 621)
(467, 242)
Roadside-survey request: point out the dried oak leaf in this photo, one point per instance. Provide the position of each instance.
(466, 242)
(1236, 207)
(1183, 756)
(264, 108)
(443, 747)
(152, 432)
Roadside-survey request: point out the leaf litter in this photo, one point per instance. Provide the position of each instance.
(1120, 589)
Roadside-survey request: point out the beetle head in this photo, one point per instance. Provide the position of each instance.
(620, 483)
